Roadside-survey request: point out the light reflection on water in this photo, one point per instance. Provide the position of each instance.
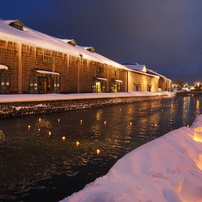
(51, 156)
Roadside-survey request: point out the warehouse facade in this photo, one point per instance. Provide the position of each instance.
(32, 62)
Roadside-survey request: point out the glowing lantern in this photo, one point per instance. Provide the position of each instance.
(156, 124)
(77, 143)
(81, 121)
(39, 119)
(198, 134)
(130, 123)
(28, 127)
(49, 133)
(39, 129)
(58, 120)
(63, 138)
(98, 151)
(105, 122)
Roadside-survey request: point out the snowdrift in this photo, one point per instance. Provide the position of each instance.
(168, 169)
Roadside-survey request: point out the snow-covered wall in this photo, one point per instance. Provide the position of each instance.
(21, 108)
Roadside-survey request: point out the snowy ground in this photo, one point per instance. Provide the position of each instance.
(168, 169)
(41, 97)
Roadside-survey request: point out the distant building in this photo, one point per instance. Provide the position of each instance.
(33, 62)
(153, 82)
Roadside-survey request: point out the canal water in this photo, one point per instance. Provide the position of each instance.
(49, 157)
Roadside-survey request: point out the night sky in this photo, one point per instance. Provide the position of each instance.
(165, 35)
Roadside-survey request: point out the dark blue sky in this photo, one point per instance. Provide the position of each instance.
(165, 35)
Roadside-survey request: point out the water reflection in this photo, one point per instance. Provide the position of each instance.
(47, 154)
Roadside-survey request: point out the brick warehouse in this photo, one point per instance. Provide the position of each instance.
(32, 62)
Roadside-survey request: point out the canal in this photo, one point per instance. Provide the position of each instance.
(48, 157)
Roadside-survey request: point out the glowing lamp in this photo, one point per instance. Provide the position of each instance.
(63, 138)
(198, 134)
(156, 124)
(105, 122)
(28, 127)
(81, 121)
(39, 119)
(77, 143)
(98, 151)
(49, 133)
(130, 123)
(39, 129)
(58, 120)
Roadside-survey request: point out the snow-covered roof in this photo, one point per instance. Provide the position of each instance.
(35, 38)
(142, 68)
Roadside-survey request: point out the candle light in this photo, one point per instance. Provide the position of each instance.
(81, 121)
(28, 127)
(105, 122)
(77, 143)
(39, 129)
(131, 123)
(39, 119)
(63, 138)
(49, 133)
(58, 120)
(98, 151)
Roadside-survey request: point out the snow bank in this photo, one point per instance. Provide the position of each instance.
(43, 97)
(166, 169)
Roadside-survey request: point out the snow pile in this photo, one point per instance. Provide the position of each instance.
(166, 169)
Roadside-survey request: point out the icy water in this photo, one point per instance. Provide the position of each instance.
(49, 157)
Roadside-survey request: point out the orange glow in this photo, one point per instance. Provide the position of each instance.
(198, 134)
(39, 129)
(131, 123)
(77, 143)
(63, 138)
(105, 122)
(81, 121)
(39, 119)
(28, 127)
(58, 120)
(155, 124)
(98, 151)
(49, 133)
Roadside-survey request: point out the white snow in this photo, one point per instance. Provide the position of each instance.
(37, 39)
(53, 96)
(168, 169)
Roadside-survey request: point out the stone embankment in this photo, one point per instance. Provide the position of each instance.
(28, 107)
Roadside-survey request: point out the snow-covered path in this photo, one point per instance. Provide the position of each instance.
(41, 97)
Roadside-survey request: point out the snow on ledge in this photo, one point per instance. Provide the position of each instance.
(168, 169)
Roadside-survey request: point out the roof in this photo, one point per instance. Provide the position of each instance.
(34, 38)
